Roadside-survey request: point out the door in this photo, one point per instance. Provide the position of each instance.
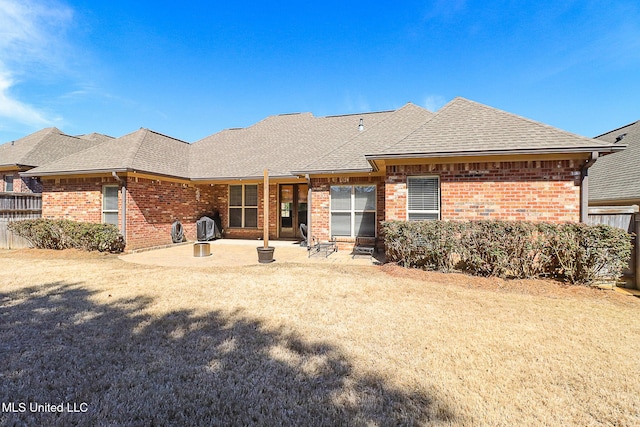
(293, 209)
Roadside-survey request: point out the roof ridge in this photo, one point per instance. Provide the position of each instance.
(357, 114)
(532, 121)
(48, 132)
(142, 134)
(617, 129)
(168, 136)
(366, 129)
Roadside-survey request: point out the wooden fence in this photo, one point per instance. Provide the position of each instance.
(627, 218)
(16, 207)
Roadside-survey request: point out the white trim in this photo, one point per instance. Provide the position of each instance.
(352, 210)
(439, 198)
(103, 210)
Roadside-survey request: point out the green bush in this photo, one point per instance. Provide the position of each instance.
(577, 253)
(64, 234)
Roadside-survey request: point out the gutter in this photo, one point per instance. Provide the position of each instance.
(602, 149)
(123, 223)
(77, 172)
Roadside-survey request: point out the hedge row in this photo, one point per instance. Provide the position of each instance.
(577, 253)
(64, 234)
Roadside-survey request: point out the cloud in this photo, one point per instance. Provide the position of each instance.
(32, 45)
(434, 102)
(19, 111)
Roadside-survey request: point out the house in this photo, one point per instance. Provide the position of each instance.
(615, 180)
(341, 175)
(37, 149)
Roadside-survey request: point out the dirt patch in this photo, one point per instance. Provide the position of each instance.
(538, 287)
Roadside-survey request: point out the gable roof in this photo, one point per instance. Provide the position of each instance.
(281, 143)
(143, 150)
(43, 147)
(350, 156)
(617, 176)
(467, 128)
(296, 144)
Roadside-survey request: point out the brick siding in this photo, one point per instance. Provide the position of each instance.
(21, 184)
(321, 206)
(524, 190)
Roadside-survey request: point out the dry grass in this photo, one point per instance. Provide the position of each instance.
(289, 344)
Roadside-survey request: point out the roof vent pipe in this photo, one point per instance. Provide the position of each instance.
(361, 125)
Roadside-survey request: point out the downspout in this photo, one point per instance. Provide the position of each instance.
(584, 187)
(309, 194)
(123, 222)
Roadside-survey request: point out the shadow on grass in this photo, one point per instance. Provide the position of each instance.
(125, 367)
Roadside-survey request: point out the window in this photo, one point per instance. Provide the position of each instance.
(243, 206)
(353, 210)
(110, 204)
(8, 183)
(423, 200)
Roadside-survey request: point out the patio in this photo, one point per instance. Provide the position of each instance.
(236, 252)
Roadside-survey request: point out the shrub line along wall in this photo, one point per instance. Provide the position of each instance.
(578, 253)
(522, 190)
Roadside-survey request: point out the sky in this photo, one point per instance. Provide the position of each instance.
(192, 68)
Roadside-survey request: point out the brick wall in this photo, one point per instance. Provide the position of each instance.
(152, 206)
(221, 202)
(321, 205)
(21, 184)
(76, 199)
(524, 190)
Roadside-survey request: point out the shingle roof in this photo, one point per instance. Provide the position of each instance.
(143, 150)
(464, 127)
(42, 147)
(280, 143)
(293, 144)
(617, 176)
(375, 137)
(95, 137)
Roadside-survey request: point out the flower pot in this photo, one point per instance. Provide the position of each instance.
(265, 255)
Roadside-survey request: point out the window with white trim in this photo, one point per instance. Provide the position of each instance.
(353, 210)
(423, 198)
(8, 183)
(110, 204)
(243, 206)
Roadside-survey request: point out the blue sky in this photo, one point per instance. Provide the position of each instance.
(189, 69)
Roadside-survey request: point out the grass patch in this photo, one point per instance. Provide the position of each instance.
(289, 344)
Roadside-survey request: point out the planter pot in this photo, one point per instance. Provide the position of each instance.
(201, 249)
(265, 255)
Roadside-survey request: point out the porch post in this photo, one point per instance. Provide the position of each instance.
(265, 204)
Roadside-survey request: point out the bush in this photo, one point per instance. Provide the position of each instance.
(580, 253)
(64, 234)
(577, 253)
(431, 245)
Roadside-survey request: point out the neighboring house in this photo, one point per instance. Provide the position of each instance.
(615, 180)
(37, 149)
(341, 175)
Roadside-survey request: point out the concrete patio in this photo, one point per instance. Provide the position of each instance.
(235, 252)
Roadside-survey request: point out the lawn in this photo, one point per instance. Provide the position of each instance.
(307, 344)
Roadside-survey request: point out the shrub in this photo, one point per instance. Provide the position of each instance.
(431, 245)
(577, 253)
(580, 253)
(64, 234)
